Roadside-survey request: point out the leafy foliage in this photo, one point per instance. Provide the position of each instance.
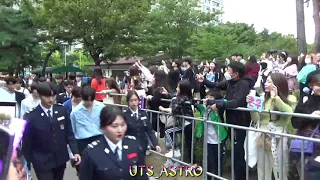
(19, 44)
(35, 33)
(105, 27)
(170, 25)
(221, 41)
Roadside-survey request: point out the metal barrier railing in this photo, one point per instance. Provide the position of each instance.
(281, 139)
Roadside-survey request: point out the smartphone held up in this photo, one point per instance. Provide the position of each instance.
(6, 149)
(11, 132)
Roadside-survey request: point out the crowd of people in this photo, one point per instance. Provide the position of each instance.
(69, 119)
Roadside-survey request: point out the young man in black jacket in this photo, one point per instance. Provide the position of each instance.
(237, 88)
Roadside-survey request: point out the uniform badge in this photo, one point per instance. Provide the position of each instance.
(60, 118)
(42, 114)
(62, 127)
(106, 150)
(125, 147)
(131, 137)
(56, 112)
(94, 143)
(90, 145)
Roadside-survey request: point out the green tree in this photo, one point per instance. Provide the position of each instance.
(19, 45)
(170, 25)
(207, 45)
(221, 41)
(107, 28)
(56, 59)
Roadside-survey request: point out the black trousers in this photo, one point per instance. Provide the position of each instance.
(188, 144)
(154, 123)
(83, 143)
(239, 161)
(213, 159)
(52, 174)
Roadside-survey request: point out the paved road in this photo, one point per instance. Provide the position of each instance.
(70, 174)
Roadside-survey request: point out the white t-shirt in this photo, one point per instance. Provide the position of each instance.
(24, 91)
(212, 135)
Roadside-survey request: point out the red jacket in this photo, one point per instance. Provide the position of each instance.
(252, 70)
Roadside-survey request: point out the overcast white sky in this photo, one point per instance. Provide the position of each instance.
(275, 15)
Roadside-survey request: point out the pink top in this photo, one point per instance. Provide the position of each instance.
(291, 73)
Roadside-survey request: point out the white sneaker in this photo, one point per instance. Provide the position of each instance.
(148, 153)
(176, 153)
(168, 163)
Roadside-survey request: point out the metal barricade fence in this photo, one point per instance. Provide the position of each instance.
(282, 136)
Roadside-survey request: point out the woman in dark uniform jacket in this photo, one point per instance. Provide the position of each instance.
(110, 157)
(138, 123)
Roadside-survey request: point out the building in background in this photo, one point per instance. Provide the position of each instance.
(211, 6)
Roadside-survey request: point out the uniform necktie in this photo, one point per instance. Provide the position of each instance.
(135, 115)
(117, 154)
(49, 114)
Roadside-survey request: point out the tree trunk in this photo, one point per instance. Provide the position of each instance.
(301, 30)
(316, 18)
(46, 60)
(95, 58)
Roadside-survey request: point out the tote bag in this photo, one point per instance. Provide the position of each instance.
(251, 152)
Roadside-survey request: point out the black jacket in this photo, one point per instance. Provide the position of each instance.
(141, 127)
(19, 97)
(45, 140)
(236, 93)
(100, 163)
(311, 105)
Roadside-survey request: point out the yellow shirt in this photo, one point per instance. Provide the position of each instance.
(276, 104)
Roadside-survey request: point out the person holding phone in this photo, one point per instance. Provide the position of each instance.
(12, 173)
(276, 98)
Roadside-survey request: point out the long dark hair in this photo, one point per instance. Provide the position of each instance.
(137, 83)
(252, 60)
(280, 81)
(161, 80)
(185, 89)
(294, 60)
(112, 84)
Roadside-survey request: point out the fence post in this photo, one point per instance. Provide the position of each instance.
(205, 145)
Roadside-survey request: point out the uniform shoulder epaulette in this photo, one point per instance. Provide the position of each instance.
(93, 144)
(131, 137)
(60, 104)
(31, 110)
(61, 93)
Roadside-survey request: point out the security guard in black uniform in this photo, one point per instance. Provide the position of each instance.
(111, 157)
(139, 124)
(47, 134)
